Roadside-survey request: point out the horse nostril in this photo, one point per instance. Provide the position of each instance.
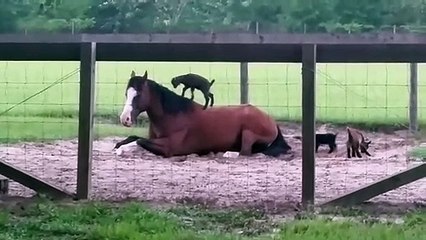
(127, 119)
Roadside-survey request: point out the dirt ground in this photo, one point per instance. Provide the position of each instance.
(219, 180)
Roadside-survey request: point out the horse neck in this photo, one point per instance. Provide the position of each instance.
(158, 116)
(156, 113)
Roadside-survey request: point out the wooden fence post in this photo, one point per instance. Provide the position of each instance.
(244, 88)
(85, 123)
(413, 98)
(308, 124)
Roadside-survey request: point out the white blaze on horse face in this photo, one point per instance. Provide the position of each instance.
(126, 115)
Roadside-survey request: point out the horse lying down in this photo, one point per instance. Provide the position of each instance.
(179, 126)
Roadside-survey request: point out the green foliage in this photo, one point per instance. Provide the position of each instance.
(129, 16)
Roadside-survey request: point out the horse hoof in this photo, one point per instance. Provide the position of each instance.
(118, 151)
(230, 154)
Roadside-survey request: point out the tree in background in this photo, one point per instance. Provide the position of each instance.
(132, 16)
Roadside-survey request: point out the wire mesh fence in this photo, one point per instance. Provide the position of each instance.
(40, 133)
(39, 106)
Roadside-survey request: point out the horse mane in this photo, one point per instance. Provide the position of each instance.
(171, 102)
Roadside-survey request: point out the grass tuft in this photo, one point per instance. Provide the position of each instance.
(247, 222)
(348, 230)
(419, 152)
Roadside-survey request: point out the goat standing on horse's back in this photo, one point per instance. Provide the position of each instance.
(356, 142)
(194, 81)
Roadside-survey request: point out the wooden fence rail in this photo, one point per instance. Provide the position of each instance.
(305, 48)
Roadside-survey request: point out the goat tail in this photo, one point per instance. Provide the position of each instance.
(211, 83)
(350, 138)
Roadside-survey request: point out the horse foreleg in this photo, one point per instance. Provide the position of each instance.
(128, 140)
(158, 146)
(151, 131)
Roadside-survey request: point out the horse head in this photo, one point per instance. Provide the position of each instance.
(137, 99)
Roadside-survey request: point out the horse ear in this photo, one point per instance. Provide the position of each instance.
(145, 75)
(132, 74)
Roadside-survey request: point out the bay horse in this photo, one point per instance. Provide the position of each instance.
(179, 126)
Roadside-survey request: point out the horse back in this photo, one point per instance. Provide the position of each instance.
(227, 122)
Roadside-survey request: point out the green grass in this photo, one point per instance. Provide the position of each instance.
(93, 221)
(367, 94)
(16, 129)
(326, 229)
(345, 92)
(419, 152)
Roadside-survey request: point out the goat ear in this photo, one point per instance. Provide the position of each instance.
(145, 75)
(132, 74)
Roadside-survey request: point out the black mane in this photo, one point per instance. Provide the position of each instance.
(171, 102)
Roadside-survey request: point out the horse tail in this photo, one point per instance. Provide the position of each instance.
(278, 146)
(211, 83)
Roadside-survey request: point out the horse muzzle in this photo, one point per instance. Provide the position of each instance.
(127, 119)
(127, 122)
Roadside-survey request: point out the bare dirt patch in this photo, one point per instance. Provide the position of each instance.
(216, 180)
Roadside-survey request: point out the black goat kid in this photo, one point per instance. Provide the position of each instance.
(194, 81)
(327, 139)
